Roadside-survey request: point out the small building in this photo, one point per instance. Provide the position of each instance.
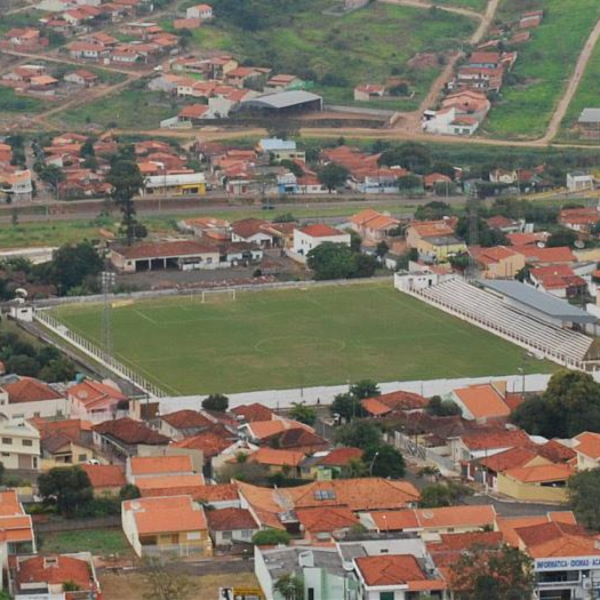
(582, 220)
(82, 77)
(19, 444)
(17, 526)
(185, 255)
(483, 402)
(55, 576)
(368, 91)
(107, 480)
(498, 262)
(171, 526)
(279, 150)
(589, 123)
(580, 181)
(203, 12)
(182, 184)
(97, 402)
(587, 449)
(184, 423)
(126, 437)
(27, 397)
(310, 237)
(252, 231)
(538, 483)
(230, 526)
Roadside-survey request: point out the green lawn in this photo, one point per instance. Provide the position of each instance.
(544, 66)
(337, 53)
(97, 541)
(293, 338)
(129, 109)
(477, 5)
(11, 103)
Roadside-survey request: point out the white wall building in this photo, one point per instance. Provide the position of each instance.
(312, 236)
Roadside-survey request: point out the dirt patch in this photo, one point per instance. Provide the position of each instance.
(131, 586)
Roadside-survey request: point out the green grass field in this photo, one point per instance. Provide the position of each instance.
(337, 53)
(100, 542)
(545, 64)
(294, 338)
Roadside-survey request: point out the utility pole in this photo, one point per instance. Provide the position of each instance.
(108, 281)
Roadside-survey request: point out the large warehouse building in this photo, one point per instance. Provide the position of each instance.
(282, 103)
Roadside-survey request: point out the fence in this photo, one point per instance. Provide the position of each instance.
(412, 448)
(105, 359)
(51, 526)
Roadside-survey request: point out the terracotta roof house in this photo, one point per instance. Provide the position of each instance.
(28, 397)
(96, 401)
(329, 463)
(166, 526)
(47, 576)
(557, 452)
(385, 404)
(321, 524)
(587, 449)
(107, 480)
(184, 423)
(124, 436)
(228, 526)
(537, 483)
(482, 403)
(394, 573)
(277, 461)
(15, 524)
(253, 412)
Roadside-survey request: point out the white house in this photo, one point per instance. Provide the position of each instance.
(449, 121)
(200, 11)
(26, 397)
(19, 445)
(311, 236)
(578, 181)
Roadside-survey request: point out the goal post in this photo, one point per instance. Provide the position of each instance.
(215, 296)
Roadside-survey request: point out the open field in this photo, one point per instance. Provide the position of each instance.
(477, 5)
(337, 53)
(11, 103)
(130, 585)
(296, 338)
(100, 542)
(544, 66)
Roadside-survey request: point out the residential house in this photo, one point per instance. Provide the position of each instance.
(431, 523)
(498, 262)
(230, 526)
(278, 150)
(434, 240)
(558, 280)
(16, 186)
(284, 82)
(396, 577)
(161, 472)
(55, 576)
(582, 220)
(540, 256)
(17, 526)
(252, 231)
(320, 525)
(372, 225)
(107, 480)
(286, 462)
(368, 91)
(580, 181)
(312, 236)
(27, 397)
(392, 402)
(587, 448)
(449, 121)
(589, 123)
(489, 467)
(253, 412)
(329, 464)
(171, 526)
(184, 423)
(203, 12)
(60, 449)
(483, 402)
(126, 437)
(537, 483)
(19, 445)
(82, 78)
(99, 401)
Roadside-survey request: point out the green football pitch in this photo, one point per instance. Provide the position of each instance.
(295, 338)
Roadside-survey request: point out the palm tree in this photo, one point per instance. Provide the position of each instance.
(290, 587)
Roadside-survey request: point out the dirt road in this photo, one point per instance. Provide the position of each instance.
(465, 12)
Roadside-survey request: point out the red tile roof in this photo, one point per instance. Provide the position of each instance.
(230, 519)
(556, 452)
(483, 401)
(394, 570)
(496, 439)
(253, 412)
(540, 473)
(210, 443)
(320, 230)
(54, 569)
(509, 459)
(160, 465)
(340, 457)
(106, 476)
(131, 432)
(326, 520)
(186, 419)
(174, 249)
(28, 389)
(588, 443)
(276, 457)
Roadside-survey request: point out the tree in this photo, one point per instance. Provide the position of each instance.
(68, 487)
(304, 414)
(24, 365)
(290, 587)
(564, 237)
(164, 582)
(442, 408)
(570, 405)
(366, 388)
(53, 176)
(333, 176)
(129, 492)
(384, 461)
(584, 491)
(354, 469)
(216, 402)
(437, 495)
(382, 249)
(411, 156)
(249, 472)
(72, 265)
(126, 180)
(347, 407)
(359, 434)
(271, 537)
(410, 183)
(292, 166)
(485, 572)
(58, 370)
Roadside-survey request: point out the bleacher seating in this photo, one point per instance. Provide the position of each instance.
(487, 309)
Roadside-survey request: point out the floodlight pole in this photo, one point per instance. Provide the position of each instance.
(108, 281)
